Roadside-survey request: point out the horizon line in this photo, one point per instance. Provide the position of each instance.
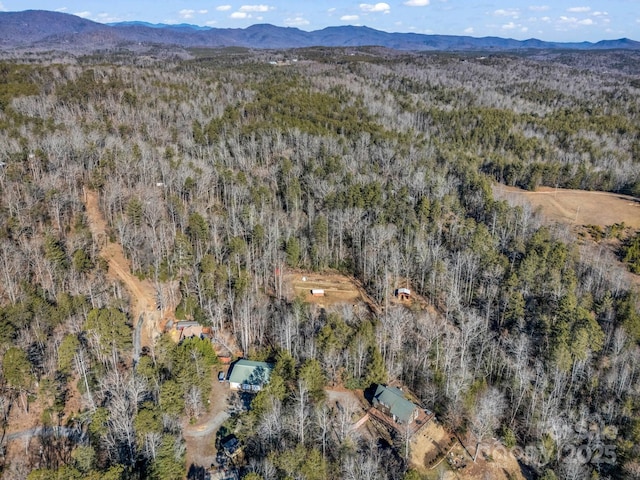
(209, 27)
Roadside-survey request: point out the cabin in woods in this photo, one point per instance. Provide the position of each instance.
(249, 376)
(403, 293)
(392, 402)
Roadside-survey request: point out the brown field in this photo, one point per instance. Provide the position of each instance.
(338, 288)
(428, 443)
(579, 207)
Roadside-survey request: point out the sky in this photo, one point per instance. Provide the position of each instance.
(551, 20)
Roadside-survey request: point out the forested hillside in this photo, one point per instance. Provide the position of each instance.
(220, 171)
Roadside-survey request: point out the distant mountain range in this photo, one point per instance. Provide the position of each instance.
(54, 30)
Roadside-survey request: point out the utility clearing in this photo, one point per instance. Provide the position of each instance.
(146, 318)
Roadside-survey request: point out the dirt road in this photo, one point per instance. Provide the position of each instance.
(142, 292)
(201, 436)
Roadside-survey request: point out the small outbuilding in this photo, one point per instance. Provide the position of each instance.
(403, 293)
(249, 376)
(317, 292)
(187, 329)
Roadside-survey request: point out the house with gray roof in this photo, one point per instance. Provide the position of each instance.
(249, 376)
(392, 402)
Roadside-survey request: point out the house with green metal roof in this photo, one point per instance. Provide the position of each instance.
(249, 376)
(392, 402)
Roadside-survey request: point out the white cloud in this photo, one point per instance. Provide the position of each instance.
(61, 9)
(574, 22)
(579, 9)
(509, 26)
(255, 8)
(468, 31)
(210, 22)
(546, 19)
(107, 18)
(507, 12)
(296, 21)
(223, 8)
(417, 3)
(600, 14)
(349, 18)
(84, 14)
(2, 8)
(332, 9)
(239, 15)
(539, 8)
(378, 7)
(189, 13)
(524, 29)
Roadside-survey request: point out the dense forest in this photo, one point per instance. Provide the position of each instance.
(216, 170)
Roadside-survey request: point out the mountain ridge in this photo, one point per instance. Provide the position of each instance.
(42, 28)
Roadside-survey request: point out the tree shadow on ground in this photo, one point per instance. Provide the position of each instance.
(196, 472)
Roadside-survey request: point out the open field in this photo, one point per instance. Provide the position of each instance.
(579, 207)
(338, 289)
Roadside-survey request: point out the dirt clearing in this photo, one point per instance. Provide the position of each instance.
(335, 289)
(432, 442)
(578, 207)
(438, 454)
(200, 437)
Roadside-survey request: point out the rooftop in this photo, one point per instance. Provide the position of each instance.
(393, 398)
(249, 372)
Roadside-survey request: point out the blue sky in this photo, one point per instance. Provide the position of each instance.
(554, 20)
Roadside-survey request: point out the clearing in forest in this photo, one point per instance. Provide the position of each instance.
(402, 292)
(433, 453)
(429, 445)
(579, 207)
(331, 289)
